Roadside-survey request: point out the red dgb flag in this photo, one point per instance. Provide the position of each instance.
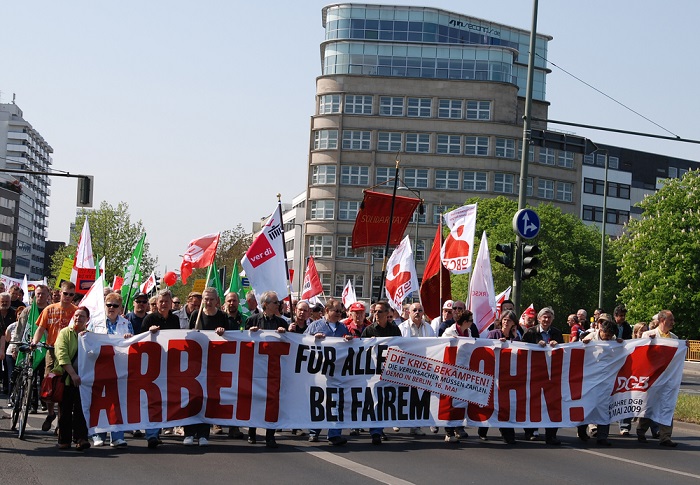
(312, 283)
(200, 254)
(430, 284)
(372, 222)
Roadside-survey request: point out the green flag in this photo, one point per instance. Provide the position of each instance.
(132, 275)
(236, 286)
(30, 330)
(214, 281)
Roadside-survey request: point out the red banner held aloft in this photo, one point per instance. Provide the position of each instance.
(372, 223)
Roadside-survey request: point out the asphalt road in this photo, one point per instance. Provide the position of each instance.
(691, 378)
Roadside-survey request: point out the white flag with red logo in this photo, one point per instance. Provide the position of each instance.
(264, 261)
(401, 277)
(457, 250)
(312, 282)
(200, 253)
(83, 253)
(348, 297)
(500, 298)
(148, 285)
(482, 296)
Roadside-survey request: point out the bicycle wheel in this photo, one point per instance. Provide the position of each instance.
(16, 399)
(26, 400)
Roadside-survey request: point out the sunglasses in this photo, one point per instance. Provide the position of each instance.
(458, 308)
(141, 302)
(66, 293)
(276, 302)
(112, 305)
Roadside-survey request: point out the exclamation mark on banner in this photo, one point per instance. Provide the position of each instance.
(576, 413)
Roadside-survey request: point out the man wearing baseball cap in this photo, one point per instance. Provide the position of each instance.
(357, 319)
(444, 316)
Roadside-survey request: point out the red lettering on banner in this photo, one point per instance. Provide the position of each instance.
(105, 390)
(146, 382)
(245, 380)
(218, 378)
(273, 350)
(576, 364)
(549, 383)
(179, 379)
(507, 381)
(483, 360)
(445, 410)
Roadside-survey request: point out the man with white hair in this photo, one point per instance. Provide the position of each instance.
(444, 316)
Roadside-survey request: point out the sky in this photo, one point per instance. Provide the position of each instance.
(197, 114)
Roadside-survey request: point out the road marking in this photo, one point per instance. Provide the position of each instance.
(637, 463)
(366, 471)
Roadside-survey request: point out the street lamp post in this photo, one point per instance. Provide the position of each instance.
(602, 238)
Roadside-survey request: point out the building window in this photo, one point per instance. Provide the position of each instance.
(548, 156)
(450, 108)
(347, 210)
(593, 186)
(503, 183)
(528, 189)
(421, 217)
(565, 191)
(479, 110)
(505, 148)
(390, 106)
(326, 140)
(322, 209)
(589, 160)
(617, 216)
(447, 179)
(354, 175)
(356, 140)
(438, 211)
(416, 178)
(329, 103)
(672, 172)
(323, 175)
(566, 159)
(419, 107)
(475, 182)
(545, 189)
(621, 191)
(600, 159)
(592, 213)
(344, 249)
(384, 174)
(320, 246)
(325, 282)
(476, 145)
(420, 250)
(417, 142)
(613, 163)
(530, 153)
(449, 144)
(358, 105)
(358, 281)
(388, 141)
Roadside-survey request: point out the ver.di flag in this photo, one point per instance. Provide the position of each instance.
(312, 282)
(264, 263)
(482, 296)
(458, 248)
(401, 277)
(200, 253)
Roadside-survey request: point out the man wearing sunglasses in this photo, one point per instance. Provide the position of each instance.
(52, 320)
(140, 310)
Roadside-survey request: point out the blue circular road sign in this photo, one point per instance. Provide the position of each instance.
(526, 223)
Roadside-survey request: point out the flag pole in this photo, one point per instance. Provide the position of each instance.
(388, 235)
(286, 263)
(197, 324)
(441, 267)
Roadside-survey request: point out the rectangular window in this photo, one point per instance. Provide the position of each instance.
(476, 145)
(325, 282)
(354, 175)
(421, 217)
(450, 108)
(566, 159)
(617, 216)
(475, 182)
(479, 110)
(356, 140)
(530, 154)
(447, 179)
(330, 103)
(358, 281)
(672, 172)
(390, 106)
(420, 249)
(347, 210)
(320, 246)
(600, 159)
(593, 186)
(326, 140)
(589, 160)
(417, 143)
(545, 189)
(344, 249)
(323, 175)
(419, 107)
(388, 141)
(505, 148)
(449, 144)
(438, 211)
(322, 209)
(613, 163)
(565, 192)
(548, 156)
(416, 178)
(503, 183)
(592, 213)
(358, 105)
(620, 191)
(384, 174)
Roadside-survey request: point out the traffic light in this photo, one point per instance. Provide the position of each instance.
(85, 191)
(506, 259)
(529, 261)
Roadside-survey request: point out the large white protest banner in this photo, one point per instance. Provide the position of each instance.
(272, 380)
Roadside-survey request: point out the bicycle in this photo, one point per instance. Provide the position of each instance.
(24, 378)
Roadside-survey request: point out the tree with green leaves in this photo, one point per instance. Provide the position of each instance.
(568, 278)
(114, 237)
(659, 256)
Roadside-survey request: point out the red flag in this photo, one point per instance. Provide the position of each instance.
(372, 222)
(430, 285)
(312, 282)
(117, 283)
(200, 254)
